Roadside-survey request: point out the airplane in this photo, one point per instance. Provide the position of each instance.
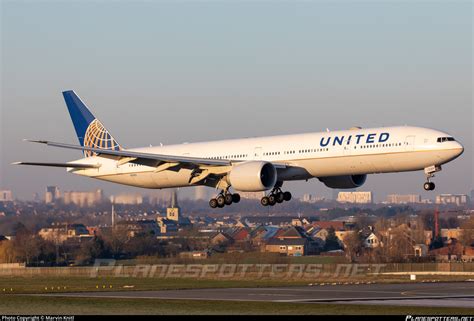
(339, 159)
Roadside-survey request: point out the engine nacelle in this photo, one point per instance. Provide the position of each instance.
(342, 182)
(252, 176)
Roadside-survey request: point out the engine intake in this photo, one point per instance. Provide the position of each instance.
(252, 176)
(343, 182)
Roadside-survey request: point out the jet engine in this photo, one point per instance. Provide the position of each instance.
(342, 182)
(252, 176)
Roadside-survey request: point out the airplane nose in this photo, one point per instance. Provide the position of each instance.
(459, 149)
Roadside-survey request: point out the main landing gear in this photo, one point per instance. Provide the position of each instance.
(223, 199)
(429, 172)
(275, 196)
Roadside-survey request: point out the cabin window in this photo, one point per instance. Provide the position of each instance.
(445, 139)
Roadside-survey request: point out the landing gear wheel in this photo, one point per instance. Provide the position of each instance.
(235, 198)
(213, 203)
(287, 196)
(279, 197)
(220, 201)
(228, 199)
(272, 199)
(265, 201)
(429, 186)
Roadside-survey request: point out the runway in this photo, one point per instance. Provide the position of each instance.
(456, 294)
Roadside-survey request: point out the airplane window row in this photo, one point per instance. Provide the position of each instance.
(313, 150)
(445, 139)
(133, 165)
(271, 153)
(229, 157)
(380, 145)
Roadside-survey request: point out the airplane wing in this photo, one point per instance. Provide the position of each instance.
(202, 167)
(133, 156)
(68, 165)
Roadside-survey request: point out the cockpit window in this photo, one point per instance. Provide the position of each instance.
(445, 139)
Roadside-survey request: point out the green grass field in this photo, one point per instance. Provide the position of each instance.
(54, 284)
(14, 301)
(18, 285)
(13, 304)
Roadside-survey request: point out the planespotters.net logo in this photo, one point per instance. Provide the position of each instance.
(439, 318)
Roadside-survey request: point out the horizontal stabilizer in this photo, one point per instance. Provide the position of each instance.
(68, 165)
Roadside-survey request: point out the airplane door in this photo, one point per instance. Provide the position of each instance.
(410, 143)
(257, 153)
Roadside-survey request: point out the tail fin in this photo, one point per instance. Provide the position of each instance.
(89, 130)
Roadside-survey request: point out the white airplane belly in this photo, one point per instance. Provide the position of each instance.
(371, 163)
(170, 178)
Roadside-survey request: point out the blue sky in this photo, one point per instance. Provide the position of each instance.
(182, 71)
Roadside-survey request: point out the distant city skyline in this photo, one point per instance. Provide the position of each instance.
(164, 72)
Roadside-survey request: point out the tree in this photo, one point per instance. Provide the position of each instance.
(436, 243)
(399, 244)
(354, 245)
(116, 240)
(332, 242)
(91, 250)
(7, 252)
(26, 244)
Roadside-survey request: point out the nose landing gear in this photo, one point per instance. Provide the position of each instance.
(429, 172)
(429, 186)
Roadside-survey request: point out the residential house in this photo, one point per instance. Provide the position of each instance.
(62, 232)
(454, 252)
(293, 241)
(221, 238)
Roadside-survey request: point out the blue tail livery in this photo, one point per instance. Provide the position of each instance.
(89, 130)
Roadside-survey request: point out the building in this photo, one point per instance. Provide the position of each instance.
(457, 199)
(134, 228)
(289, 247)
(355, 197)
(451, 233)
(167, 227)
(403, 199)
(454, 252)
(291, 242)
(127, 199)
(60, 233)
(6, 196)
(421, 250)
(172, 212)
(336, 225)
(52, 194)
(83, 199)
(308, 198)
(221, 238)
(371, 241)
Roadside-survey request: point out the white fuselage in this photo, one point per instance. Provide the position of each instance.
(323, 154)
